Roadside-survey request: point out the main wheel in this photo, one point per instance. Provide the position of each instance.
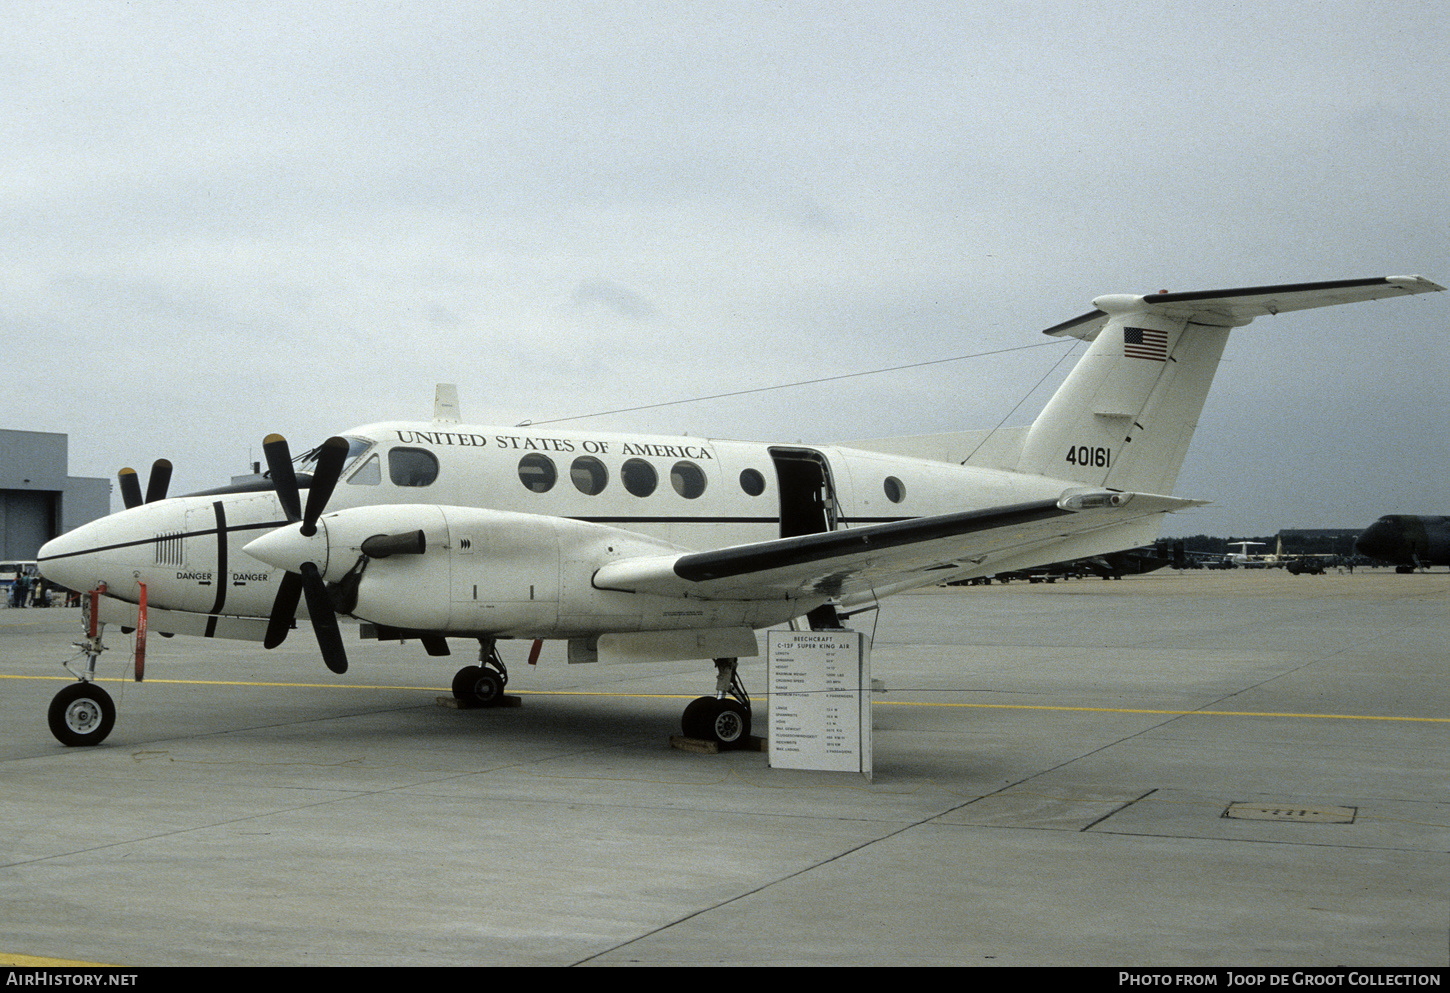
(463, 681)
(693, 720)
(725, 722)
(488, 688)
(479, 686)
(729, 723)
(82, 714)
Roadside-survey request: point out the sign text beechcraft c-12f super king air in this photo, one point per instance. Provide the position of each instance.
(657, 548)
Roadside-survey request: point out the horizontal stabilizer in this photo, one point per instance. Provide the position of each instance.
(1233, 308)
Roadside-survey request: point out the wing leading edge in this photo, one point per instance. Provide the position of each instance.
(896, 555)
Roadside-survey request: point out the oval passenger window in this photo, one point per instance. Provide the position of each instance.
(589, 475)
(688, 479)
(537, 472)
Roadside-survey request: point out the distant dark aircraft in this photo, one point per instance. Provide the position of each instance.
(1407, 541)
(1114, 565)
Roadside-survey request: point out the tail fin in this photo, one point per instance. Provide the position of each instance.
(1124, 416)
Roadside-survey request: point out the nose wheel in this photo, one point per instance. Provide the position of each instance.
(82, 714)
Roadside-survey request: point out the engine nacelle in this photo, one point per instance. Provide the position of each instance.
(472, 572)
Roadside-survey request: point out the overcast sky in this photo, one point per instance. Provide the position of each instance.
(218, 221)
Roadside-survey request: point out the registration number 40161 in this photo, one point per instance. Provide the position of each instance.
(1088, 456)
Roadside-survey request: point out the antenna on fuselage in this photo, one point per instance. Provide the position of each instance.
(445, 404)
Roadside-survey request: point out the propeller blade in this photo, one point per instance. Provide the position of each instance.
(330, 460)
(284, 610)
(284, 478)
(324, 621)
(380, 546)
(160, 479)
(130, 487)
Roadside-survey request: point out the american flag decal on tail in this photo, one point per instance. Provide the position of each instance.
(1143, 343)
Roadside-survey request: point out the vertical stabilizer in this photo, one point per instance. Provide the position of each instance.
(1124, 416)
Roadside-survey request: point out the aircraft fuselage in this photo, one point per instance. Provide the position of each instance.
(527, 516)
(1407, 540)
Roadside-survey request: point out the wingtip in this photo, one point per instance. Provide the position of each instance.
(1415, 284)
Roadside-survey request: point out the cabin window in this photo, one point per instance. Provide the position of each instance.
(752, 482)
(537, 472)
(639, 477)
(370, 473)
(589, 475)
(412, 467)
(688, 479)
(895, 489)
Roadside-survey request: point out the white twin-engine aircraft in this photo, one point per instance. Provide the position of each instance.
(635, 547)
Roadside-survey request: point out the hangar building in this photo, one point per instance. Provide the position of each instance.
(38, 500)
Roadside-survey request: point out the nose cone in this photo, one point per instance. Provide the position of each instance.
(1384, 540)
(287, 548)
(69, 560)
(88, 556)
(119, 550)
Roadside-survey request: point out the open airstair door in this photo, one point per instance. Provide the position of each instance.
(807, 506)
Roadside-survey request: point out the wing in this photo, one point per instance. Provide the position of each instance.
(882, 557)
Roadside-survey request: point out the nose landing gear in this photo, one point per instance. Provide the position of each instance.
(83, 713)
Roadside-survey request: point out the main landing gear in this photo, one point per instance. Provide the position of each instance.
(482, 685)
(719, 719)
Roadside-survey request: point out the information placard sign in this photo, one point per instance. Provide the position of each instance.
(820, 703)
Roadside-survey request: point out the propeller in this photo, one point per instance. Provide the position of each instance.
(155, 486)
(330, 461)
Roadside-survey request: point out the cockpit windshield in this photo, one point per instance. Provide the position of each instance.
(307, 462)
(306, 466)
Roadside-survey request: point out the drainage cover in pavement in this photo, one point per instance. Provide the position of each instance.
(1290, 812)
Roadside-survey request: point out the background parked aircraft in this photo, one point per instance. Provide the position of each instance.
(1407, 541)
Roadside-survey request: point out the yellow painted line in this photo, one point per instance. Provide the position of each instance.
(41, 962)
(361, 686)
(1169, 713)
(686, 696)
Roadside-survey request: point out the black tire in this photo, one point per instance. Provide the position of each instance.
(479, 686)
(730, 724)
(82, 714)
(488, 688)
(693, 720)
(725, 722)
(464, 680)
